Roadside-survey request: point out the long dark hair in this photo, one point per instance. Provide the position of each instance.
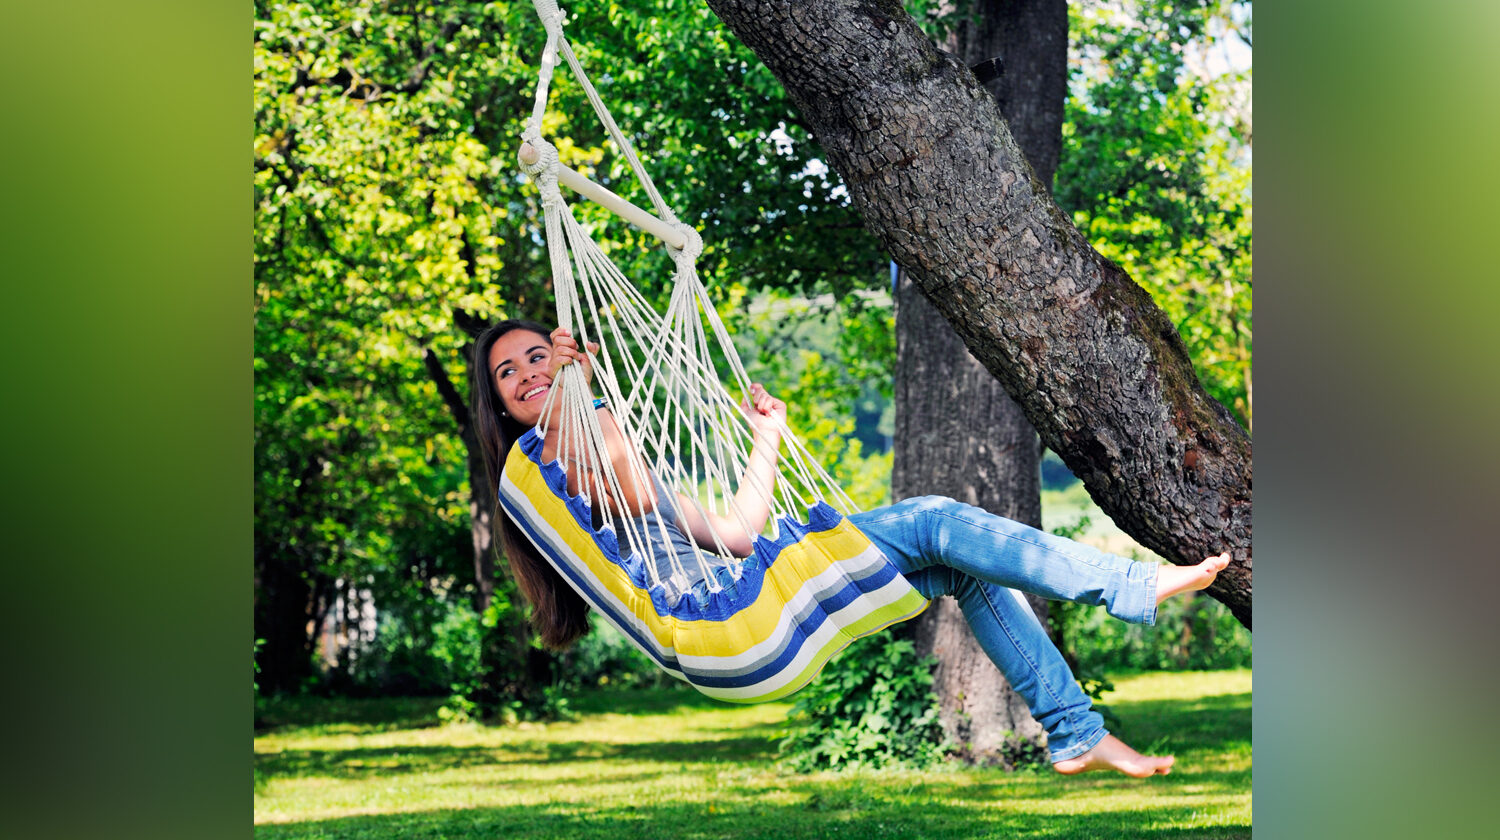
(558, 613)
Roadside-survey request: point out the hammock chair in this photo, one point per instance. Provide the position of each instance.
(757, 628)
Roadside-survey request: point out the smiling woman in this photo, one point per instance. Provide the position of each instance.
(726, 629)
(557, 611)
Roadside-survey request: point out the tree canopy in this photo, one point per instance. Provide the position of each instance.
(389, 211)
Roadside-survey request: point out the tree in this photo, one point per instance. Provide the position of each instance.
(1097, 367)
(958, 433)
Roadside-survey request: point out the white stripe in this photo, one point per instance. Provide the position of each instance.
(851, 613)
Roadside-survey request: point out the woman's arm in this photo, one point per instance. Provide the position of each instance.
(751, 506)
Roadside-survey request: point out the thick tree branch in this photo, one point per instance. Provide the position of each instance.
(1099, 370)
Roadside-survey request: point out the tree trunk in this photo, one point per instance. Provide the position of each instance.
(284, 605)
(1096, 366)
(958, 433)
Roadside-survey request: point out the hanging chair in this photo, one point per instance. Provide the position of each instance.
(755, 628)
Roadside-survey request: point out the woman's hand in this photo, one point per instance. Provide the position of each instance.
(565, 352)
(765, 412)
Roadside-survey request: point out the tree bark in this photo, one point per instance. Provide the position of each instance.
(1096, 366)
(958, 433)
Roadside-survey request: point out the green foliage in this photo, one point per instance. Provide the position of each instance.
(872, 706)
(255, 653)
(605, 657)
(1155, 170)
(420, 649)
(831, 360)
(1017, 753)
(1192, 632)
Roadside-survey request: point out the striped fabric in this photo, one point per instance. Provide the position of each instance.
(803, 597)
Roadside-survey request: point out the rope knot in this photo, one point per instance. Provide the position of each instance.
(692, 243)
(547, 159)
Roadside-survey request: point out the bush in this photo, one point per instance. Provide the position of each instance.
(1192, 632)
(872, 706)
(419, 651)
(606, 657)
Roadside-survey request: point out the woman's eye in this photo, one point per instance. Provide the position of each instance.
(506, 372)
(538, 357)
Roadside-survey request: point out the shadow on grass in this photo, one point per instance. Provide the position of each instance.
(351, 714)
(870, 807)
(381, 714)
(864, 819)
(643, 701)
(364, 762)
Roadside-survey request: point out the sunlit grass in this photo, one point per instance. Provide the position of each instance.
(670, 764)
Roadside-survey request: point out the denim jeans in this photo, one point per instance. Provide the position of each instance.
(944, 547)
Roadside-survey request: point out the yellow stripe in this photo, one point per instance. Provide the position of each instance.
(752, 625)
(911, 605)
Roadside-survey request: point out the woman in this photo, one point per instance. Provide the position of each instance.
(942, 547)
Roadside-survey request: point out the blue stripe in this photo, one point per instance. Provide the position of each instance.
(721, 606)
(799, 634)
(647, 645)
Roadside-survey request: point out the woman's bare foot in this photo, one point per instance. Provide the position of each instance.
(1114, 754)
(1170, 580)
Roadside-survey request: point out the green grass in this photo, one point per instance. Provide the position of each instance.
(671, 764)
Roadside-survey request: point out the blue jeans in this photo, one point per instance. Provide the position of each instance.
(944, 547)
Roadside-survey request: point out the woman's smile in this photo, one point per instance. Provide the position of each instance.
(532, 392)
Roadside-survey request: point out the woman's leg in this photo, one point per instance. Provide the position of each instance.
(934, 531)
(1015, 641)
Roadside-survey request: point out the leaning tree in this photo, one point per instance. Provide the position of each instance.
(1098, 369)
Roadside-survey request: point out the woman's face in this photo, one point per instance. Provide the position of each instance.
(518, 370)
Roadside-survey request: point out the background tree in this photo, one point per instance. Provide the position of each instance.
(958, 433)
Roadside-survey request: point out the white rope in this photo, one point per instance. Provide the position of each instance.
(656, 373)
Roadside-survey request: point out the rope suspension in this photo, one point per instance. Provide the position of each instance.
(655, 371)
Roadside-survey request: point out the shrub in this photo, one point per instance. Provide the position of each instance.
(1192, 632)
(606, 657)
(873, 706)
(418, 651)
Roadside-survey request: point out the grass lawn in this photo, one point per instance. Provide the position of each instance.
(672, 764)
